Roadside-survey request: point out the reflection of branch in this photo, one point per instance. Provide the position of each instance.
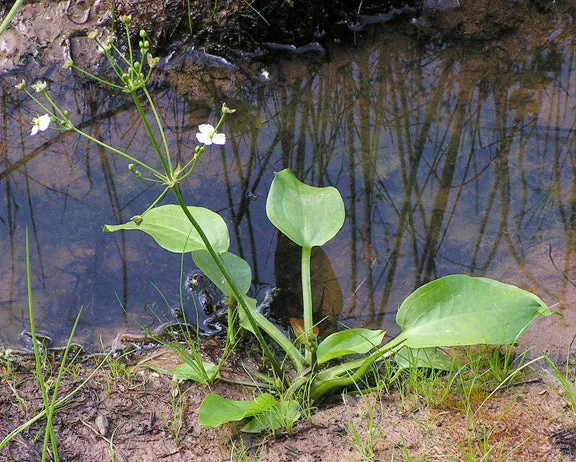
(39, 150)
(561, 273)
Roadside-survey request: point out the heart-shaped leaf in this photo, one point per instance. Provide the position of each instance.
(236, 266)
(463, 310)
(307, 215)
(348, 342)
(171, 229)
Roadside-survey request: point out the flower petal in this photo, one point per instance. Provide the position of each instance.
(34, 130)
(204, 138)
(43, 122)
(219, 138)
(206, 128)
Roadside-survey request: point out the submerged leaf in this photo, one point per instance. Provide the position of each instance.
(236, 266)
(464, 310)
(348, 342)
(171, 229)
(308, 215)
(216, 410)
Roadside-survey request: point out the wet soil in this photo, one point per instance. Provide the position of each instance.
(47, 32)
(148, 417)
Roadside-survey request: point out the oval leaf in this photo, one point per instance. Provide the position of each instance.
(216, 410)
(348, 342)
(307, 215)
(236, 266)
(170, 228)
(463, 310)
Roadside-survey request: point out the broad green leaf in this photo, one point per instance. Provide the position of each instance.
(170, 228)
(430, 358)
(193, 372)
(236, 266)
(283, 415)
(348, 342)
(308, 215)
(464, 310)
(216, 410)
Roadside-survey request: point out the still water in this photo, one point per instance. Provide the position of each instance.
(450, 159)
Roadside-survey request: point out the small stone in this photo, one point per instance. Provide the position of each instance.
(102, 424)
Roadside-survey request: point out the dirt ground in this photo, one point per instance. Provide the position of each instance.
(140, 417)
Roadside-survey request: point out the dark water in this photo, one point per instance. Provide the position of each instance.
(450, 159)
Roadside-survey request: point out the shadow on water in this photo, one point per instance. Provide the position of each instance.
(449, 158)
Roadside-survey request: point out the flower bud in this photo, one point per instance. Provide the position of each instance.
(126, 19)
(137, 219)
(142, 33)
(92, 35)
(152, 62)
(21, 85)
(227, 110)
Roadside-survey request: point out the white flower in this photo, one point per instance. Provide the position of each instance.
(40, 124)
(39, 86)
(209, 136)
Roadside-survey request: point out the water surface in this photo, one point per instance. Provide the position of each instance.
(451, 158)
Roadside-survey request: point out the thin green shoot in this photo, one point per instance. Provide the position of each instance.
(6, 21)
(258, 13)
(49, 404)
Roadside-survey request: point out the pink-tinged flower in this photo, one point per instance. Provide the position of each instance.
(209, 136)
(40, 124)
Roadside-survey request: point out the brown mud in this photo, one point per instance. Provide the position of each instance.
(146, 416)
(47, 32)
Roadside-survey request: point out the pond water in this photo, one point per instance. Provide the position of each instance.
(450, 159)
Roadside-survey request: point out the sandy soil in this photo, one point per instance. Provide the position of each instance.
(133, 419)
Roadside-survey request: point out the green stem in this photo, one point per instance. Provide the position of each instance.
(160, 127)
(158, 199)
(37, 357)
(69, 125)
(309, 337)
(14, 433)
(152, 137)
(237, 294)
(10, 15)
(325, 382)
(120, 153)
(97, 79)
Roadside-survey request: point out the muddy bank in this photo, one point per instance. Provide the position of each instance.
(127, 412)
(48, 32)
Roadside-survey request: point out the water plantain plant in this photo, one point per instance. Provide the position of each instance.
(452, 311)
